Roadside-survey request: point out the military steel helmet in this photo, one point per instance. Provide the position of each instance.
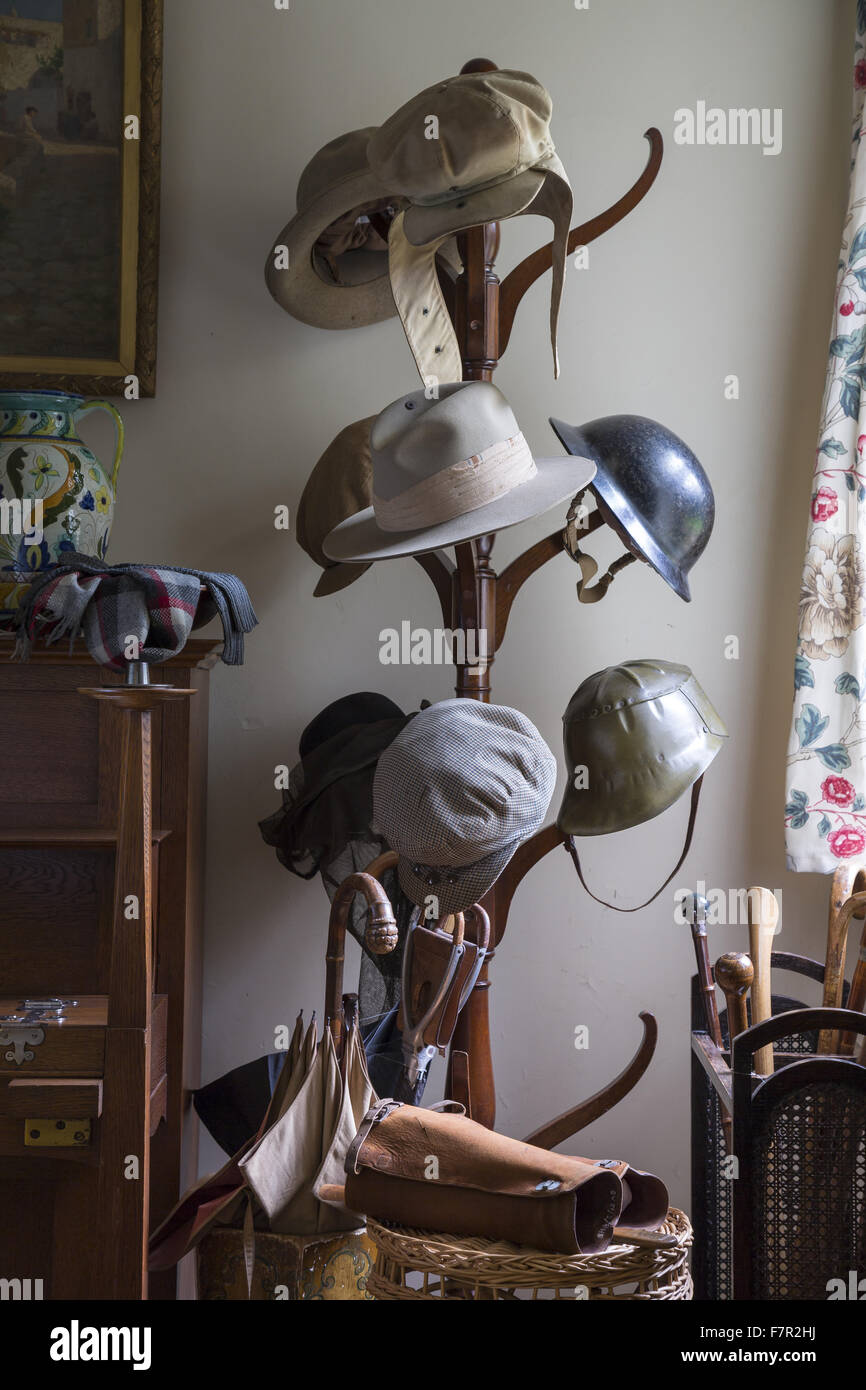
(636, 737)
(651, 489)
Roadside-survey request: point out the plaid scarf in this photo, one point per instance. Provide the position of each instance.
(112, 604)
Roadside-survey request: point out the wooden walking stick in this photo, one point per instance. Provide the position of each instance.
(697, 918)
(763, 918)
(734, 975)
(847, 900)
(856, 996)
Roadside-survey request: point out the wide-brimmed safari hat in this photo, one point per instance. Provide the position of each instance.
(448, 469)
(471, 149)
(329, 265)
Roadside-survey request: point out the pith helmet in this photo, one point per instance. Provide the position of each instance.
(651, 489)
(636, 737)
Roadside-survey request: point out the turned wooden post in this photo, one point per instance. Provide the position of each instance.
(122, 1214)
(483, 314)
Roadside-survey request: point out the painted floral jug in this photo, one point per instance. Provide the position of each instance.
(55, 495)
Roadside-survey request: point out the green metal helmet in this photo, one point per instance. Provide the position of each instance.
(636, 737)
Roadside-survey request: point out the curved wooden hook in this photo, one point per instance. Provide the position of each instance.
(571, 1121)
(517, 282)
(525, 857)
(515, 575)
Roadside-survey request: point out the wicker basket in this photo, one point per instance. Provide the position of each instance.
(414, 1264)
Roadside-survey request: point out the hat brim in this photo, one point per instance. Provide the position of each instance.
(337, 577)
(577, 817)
(557, 480)
(302, 291)
(630, 520)
(422, 225)
(471, 882)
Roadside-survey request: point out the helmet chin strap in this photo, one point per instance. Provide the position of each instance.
(586, 592)
(693, 813)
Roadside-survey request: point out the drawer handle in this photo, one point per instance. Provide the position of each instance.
(20, 1042)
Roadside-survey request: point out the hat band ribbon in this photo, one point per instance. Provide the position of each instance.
(462, 487)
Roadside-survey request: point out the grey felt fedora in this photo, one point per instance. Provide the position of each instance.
(460, 787)
(448, 469)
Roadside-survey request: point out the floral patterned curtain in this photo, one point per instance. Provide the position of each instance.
(825, 814)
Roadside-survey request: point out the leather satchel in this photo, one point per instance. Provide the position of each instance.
(441, 969)
(438, 1170)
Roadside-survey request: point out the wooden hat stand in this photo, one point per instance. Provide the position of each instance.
(474, 598)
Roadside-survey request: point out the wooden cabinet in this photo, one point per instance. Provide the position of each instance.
(59, 798)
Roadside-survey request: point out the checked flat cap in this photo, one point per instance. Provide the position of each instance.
(456, 793)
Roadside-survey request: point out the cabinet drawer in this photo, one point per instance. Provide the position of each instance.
(62, 1098)
(75, 1047)
(64, 1051)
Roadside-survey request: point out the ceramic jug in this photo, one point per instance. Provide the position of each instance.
(44, 461)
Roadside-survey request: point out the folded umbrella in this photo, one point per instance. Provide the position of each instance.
(320, 1097)
(218, 1199)
(231, 1107)
(307, 1146)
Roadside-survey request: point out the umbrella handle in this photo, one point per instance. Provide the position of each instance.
(382, 923)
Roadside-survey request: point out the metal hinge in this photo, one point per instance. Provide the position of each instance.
(38, 1011)
(56, 1134)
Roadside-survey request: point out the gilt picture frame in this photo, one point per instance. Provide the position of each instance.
(80, 120)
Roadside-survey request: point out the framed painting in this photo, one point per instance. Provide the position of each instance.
(80, 103)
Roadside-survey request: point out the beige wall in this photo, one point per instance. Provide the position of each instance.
(727, 267)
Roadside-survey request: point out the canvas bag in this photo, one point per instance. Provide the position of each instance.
(487, 1184)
